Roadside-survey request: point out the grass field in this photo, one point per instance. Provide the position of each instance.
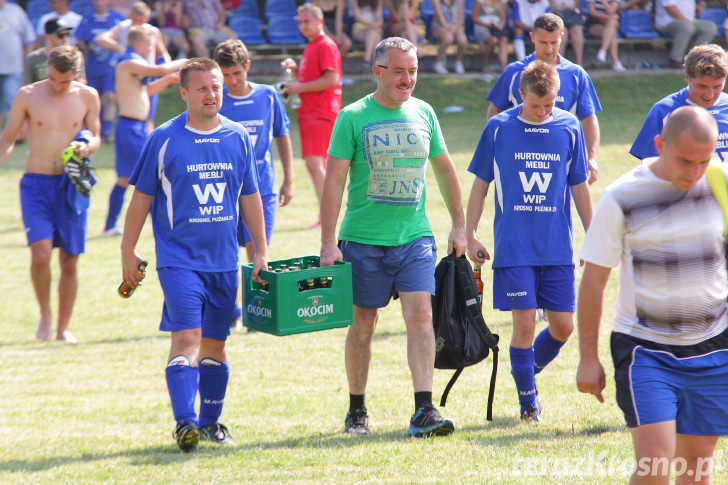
(98, 411)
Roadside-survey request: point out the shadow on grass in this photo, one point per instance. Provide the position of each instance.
(154, 455)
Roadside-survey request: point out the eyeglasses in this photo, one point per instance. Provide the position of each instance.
(63, 35)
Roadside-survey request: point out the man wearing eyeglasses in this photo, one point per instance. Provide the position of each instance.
(382, 142)
(35, 68)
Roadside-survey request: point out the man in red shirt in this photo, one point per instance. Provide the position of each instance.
(319, 87)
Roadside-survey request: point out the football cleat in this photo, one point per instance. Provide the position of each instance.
(217, 433)
(78, 170)
(187, 436)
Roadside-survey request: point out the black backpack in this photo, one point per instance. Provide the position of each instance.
(461, 336)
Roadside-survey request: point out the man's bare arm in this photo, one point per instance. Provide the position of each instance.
(329, 79)
(590, 125)
(136, 215)
(285, 153)
(476, 204)
(492, 111)
(16, 118)
(251, 209)
(336, 171)
(449, 183)
(109, 40)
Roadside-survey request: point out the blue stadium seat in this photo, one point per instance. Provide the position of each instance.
(715, 15)
(427, 12)
(247, 8)
(36, 9)
(283, 29)
(280, 8)
(81, 6)
(637, 24)
(247, 29)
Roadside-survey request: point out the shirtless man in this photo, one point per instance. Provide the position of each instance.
(56, 109)
(132, 92)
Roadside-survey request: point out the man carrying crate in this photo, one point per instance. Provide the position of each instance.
(383, 142)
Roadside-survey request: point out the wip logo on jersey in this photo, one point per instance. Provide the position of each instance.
(534, 202)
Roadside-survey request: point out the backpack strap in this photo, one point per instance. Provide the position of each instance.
(476, 316)
(717, 182)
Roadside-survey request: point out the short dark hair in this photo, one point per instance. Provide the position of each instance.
(540, 78)
(64, 58)
(230, 53)
(202, 64)
(548, 22)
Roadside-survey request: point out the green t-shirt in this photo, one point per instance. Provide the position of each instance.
(388, 149)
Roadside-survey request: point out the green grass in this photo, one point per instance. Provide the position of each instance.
(98, 411)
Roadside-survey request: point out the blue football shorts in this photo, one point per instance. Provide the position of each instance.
(379, 272)
(48, 215)
(194, 299)
(524, 287)
(685, 384)
(129, 139)
(270, 206)
(103, 82)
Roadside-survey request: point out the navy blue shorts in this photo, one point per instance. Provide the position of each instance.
(270, 206)
(48, 215)
(524, 287)
(686, 384)
(194, 299)
(380, 272)
(129, 139)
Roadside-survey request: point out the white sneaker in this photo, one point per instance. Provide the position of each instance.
(114, 231)
(617, 66)
(439, 68)
(459, 68)
(602, 56)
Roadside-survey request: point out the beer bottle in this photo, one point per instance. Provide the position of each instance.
(478, 285)
(324, 282)
(125, 291)
(310, 284)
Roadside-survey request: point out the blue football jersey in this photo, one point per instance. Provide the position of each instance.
(531, 166)
(263, 114)
(576, 94)
(644, 146)
(98, 59)
(196, 179)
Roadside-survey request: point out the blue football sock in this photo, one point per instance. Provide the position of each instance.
(182, 384)
(238, 312)
(522, 370)
(213, 384)
(116, 200)
(105, 126)
(545, 349)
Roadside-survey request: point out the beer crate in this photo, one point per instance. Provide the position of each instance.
(289, 303)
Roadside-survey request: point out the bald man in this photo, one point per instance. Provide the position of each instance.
(669, 342)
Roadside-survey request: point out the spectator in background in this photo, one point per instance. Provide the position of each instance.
(115, 39)
(334, 11)
(402, 20)
(318, 82)
(59, 9)
(99, 61)
(604, 23)
(16, 38)
(676, 18)
(35, 66)
(206, 25)
(173, 24)
(490, 29)
(525, 13)
(570, 12)
(368, 25)
(448, 28)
